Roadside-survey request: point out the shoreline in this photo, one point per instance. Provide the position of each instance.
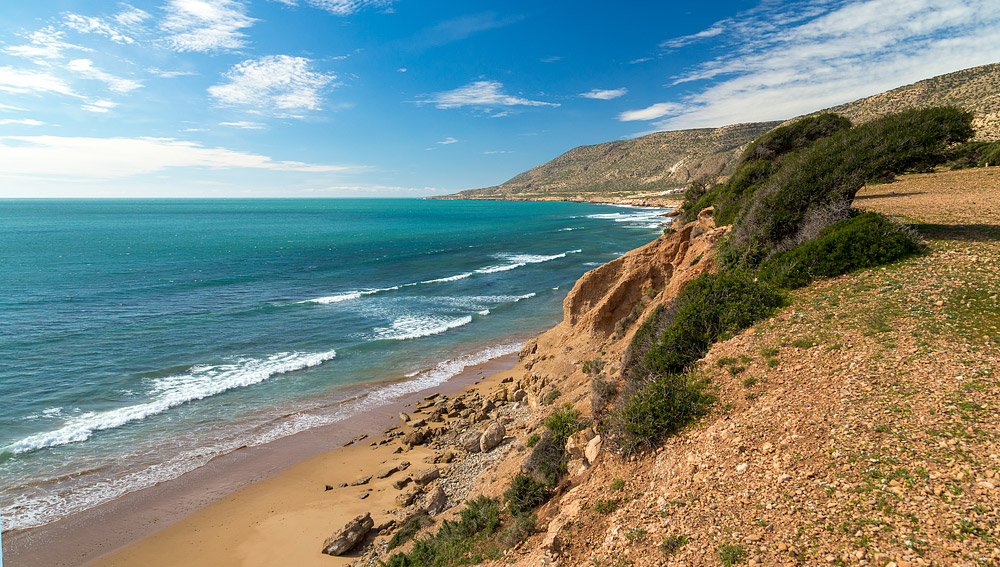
(89, 536)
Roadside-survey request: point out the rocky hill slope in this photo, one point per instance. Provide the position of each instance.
(650, 164)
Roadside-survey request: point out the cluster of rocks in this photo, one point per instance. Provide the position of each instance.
(464, 432)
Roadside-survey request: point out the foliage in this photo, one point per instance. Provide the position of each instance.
(520, 529)
(605, 505)
(525, 492)
(673, 543)
(564, 422)
(832, 170)
(658, 409)
(711, 307)
(731, 554)
(601, 392)
(409, 529)
(794, 136)
(454, 542)
(863, 241)
(532, 440)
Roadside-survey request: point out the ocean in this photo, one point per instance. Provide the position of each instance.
(139, 339)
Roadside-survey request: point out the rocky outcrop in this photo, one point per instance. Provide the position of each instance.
(351, 535)
(492, 437)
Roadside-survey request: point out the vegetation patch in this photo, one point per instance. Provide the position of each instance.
(455, 543)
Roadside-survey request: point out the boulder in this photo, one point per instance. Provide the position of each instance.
(406, 498)
(492, 437)
(427, 475)
(387, 471)
(414, 437)
(436, 501)
(404, 418)
(593, 449)
(470, 441)
(352, 534)
(362, 481)
(518, 395)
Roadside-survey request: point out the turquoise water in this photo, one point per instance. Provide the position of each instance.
(140, 339)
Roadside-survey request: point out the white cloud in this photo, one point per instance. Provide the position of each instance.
(493, 152)
(85, 68)
(552, 59)
(22, 121)
(8, 108)
(652, 112)
(114, 158)
(129, 18)
(479, 93)
(788, 60)
(605, 94)
(243, 124)
(274, 82)
(448, 140)
(20, 81)
(99, 106)
(342, 7)
(402, 69)
(170, 74)
(205, 25)
(44, 45)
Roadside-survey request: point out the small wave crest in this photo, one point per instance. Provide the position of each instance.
(198, 383)
(412, 327)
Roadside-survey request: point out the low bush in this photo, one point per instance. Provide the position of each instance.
(794, 136)
(602, 391)
(564, 422)
(862, 241)
(525, 492)
(409, 529)
(658, 409)
(711, 307)
(454, 542)
(673, 543)
(521, 527)
(731, 554)
(547, 462)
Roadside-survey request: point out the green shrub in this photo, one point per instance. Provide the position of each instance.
(564, 422)
(532, 440)
(547, 462)
(657, 410)
(551, 397)
(725, 361)
(521, 527)
(803, 343)
(731, 554)
(409, 529)
(794, 136)
(617, 485)
(601, 392)
(831, 171)
(711, 307)
(673, 543)
(749, 382)
(594, 366)
(525, 492)
(605, 505)
(454, 541)
(863, 241)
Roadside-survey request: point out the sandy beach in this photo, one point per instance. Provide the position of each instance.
(264, 505)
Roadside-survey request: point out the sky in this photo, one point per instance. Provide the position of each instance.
(398, 98)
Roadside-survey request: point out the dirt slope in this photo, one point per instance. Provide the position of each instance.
(859, 426)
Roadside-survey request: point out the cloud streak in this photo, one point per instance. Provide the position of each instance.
(785, 60)
(481, 94)
(85, 68)
(599, 94)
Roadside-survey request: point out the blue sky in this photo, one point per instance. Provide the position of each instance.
(346, 98)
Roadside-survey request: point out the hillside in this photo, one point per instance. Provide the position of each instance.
(651, 164)
(645, 166)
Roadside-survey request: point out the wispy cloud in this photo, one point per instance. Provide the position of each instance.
(112, 158)
(460, 28)
(494, 152)
(275, 82)
(241, 124)
(21, 121)
(35, 82)
(479, 93)
(8, 108)
(605, 94)
(652, 112)
(787, 60)
(205, 25)
(342, 7)
(85, 68)
(43, 46)
(99, 106)
(120, 29)
(551, 59)
(448, 140)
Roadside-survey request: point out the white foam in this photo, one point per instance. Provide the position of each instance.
(169, 392)
(518, 260)
(639, 217)
(411, 327)
(351, 295)
(449, 278)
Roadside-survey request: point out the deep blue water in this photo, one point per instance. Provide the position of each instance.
(139, 339)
